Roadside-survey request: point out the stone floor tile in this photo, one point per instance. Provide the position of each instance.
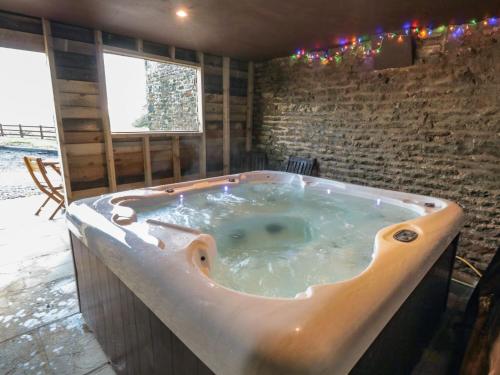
(41, 331)
(35, 271)
(105, 370)
(24, 235)
(23, 311)
(30, 248)
(23, 355)
(70, 347)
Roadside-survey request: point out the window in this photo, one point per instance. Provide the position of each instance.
(146, 95)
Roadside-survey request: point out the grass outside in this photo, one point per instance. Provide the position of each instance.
(36, 143)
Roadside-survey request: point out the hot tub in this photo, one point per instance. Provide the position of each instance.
(263, 273)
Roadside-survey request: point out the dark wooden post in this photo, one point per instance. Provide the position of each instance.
(41, 131)
(21, 131)
(1, 130)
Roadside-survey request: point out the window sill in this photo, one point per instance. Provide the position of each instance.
(142, 134)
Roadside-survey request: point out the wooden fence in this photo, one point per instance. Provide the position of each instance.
(28, 131)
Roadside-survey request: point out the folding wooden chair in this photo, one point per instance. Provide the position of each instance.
(301, 166)
(37, 169)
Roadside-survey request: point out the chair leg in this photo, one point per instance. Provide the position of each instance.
(42, 206)
(56, 210)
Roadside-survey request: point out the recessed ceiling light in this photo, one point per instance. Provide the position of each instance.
(181, 13)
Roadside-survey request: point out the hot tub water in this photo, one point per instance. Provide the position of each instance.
(275, 240)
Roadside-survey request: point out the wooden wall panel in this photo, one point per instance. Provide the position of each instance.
(156, 48)
(83, 131)
(129, 160)
(49, 50)
(103, 104)
(189, 148)
(213, 87)
(226, 109)
(17, 22)
(238, 89)
(185, 54)
(79, 104)
(94, 161)
(249, 111)
(75, 66)
(161, 159)
(120, 41)
(87, 171)
(21, 40)
(202, 107)
(72, 33)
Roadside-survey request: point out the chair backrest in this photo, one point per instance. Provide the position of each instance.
(257, 161)
(38, 173)
(249, 161)
(301, 166)
(34, 171)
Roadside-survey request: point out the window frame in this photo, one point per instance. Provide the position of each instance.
(160, 59)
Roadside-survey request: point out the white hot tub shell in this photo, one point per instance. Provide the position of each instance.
(325, 330)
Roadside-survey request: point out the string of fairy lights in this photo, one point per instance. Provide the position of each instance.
(369, 46)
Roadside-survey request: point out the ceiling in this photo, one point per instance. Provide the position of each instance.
(251, 29)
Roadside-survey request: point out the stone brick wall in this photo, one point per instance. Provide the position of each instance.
(432, 128)
(172, 98)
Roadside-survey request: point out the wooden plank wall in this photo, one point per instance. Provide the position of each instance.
(213, 114)
(238, 90)
(96, 161)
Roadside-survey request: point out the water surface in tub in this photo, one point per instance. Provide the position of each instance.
(277, 239)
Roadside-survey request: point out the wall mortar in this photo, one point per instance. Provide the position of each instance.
(432, 128)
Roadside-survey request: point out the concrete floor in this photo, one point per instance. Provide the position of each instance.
(41, 330)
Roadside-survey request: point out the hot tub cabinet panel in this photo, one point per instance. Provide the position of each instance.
(132, 336)
(145, 289)
(400, 344)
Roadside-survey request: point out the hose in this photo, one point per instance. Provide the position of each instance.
(467, 263)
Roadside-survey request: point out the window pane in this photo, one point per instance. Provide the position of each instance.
(145, 95)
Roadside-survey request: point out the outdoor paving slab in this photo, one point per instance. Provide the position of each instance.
(32, 272)
(41, 329)
(23, 311)
(24, 242)
(23, 355)
(105, 370)
(24, 235)
(70, 347)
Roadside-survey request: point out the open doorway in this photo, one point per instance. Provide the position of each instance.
(27, 121)
(42, 329)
